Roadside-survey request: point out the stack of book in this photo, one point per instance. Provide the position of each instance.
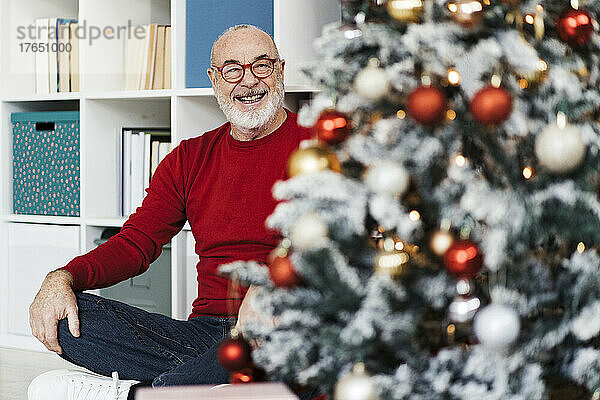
(56, 55)
(142, 150)
(147, 51)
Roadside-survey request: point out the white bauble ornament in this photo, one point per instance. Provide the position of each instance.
(387, 178)
(496, 326)
(560, 149)
(308, 231)
(372, 82)
(357, 385)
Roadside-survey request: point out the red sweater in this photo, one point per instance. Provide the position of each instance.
(223, 187)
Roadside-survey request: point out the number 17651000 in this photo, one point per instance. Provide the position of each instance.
(45, 47)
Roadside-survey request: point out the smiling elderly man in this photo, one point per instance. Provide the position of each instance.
(221, 182)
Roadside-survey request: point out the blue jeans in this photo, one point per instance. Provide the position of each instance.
(144, 346)
(147, 347)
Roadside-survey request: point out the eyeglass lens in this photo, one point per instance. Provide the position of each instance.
(260, 68)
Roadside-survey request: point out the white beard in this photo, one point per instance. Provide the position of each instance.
(255, 119)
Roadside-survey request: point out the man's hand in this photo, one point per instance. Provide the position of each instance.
(55, 301)
(248, 313)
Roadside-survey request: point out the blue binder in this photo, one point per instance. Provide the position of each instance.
(206, 20)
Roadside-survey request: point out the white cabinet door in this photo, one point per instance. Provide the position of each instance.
(33, 251)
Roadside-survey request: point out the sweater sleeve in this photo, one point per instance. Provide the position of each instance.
(139, 242)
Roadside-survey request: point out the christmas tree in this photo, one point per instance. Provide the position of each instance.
(441, 232)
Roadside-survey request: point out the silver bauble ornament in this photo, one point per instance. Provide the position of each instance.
(559, 148)
(357, 385)
(387, 177)
(496, 326)
(308, 231)
(372, 82)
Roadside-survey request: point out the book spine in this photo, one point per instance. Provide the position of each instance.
(137, 173)
(74, 57)
(150, 58)
(147, 138)
(52, 55)
(163, 149)
(127, 136)
(141, 62)
(154, 157)
(167, 69)
(63, 56)
(159, 59)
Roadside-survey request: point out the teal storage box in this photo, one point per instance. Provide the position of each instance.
(46, 163)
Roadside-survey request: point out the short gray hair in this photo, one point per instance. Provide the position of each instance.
(236, 28)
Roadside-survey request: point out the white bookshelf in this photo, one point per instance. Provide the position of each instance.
(104, 108)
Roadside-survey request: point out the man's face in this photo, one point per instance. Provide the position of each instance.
(252, 102)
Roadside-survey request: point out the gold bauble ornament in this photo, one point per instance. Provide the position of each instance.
(440, 241)
(405, 10)
(392, 263)
(468, 13)
(311, 159)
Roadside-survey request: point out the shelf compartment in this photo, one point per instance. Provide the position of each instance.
(102, 59)
(33, 251)
(150, 291)
(16, 16)
(101, 152)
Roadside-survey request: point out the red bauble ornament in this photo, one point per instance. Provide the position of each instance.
(282, 271)
(491, 105)
(575, 27)
(426, 104)
(235, 354)
(332, 127)
(463, 259)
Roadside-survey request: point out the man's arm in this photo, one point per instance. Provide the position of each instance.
(127, 254)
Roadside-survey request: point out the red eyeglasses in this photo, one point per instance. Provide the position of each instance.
(234, 72)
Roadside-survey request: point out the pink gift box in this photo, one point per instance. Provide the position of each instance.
(247, 391)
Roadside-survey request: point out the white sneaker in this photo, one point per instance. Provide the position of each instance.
(65, 384)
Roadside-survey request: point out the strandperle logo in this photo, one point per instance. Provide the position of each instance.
(83, 32)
